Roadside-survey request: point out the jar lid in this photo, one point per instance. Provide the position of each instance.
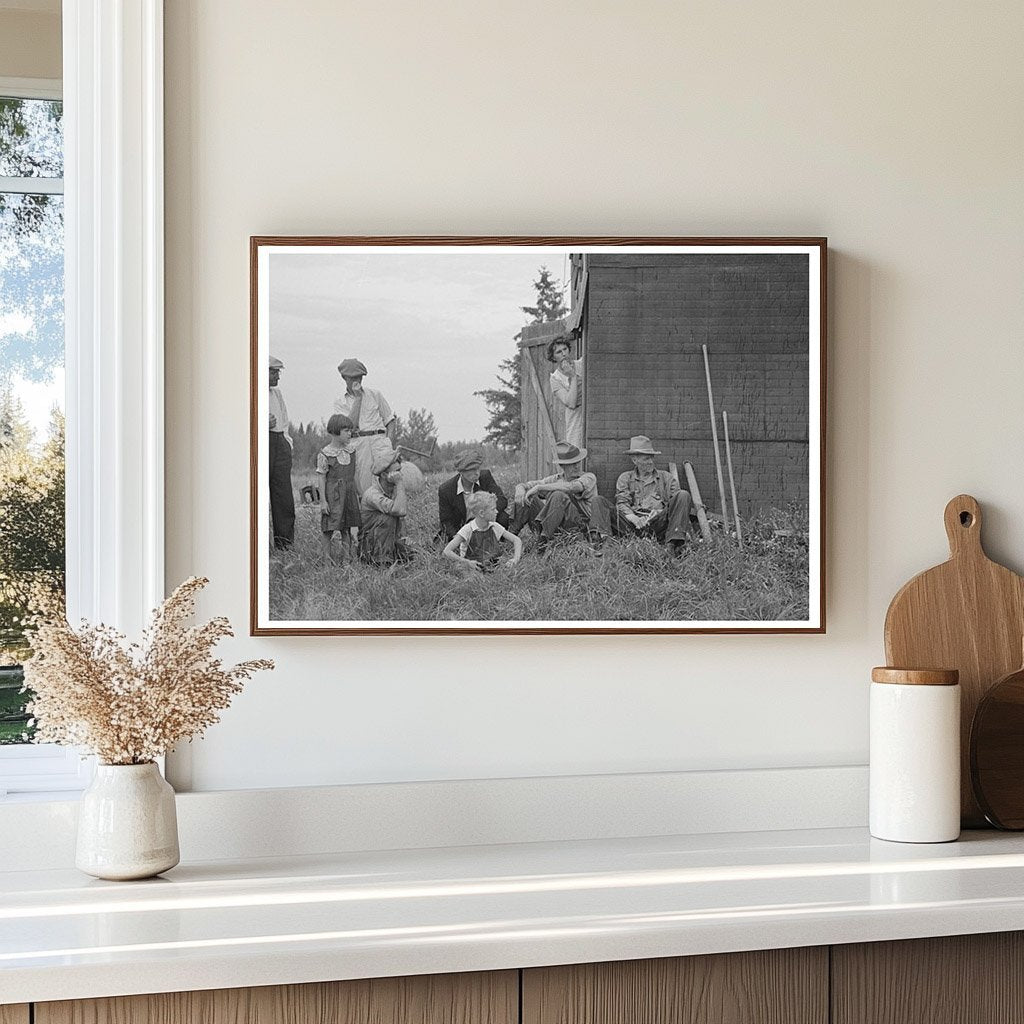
(916, 676)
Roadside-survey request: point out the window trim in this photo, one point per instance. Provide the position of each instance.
(32, 88)
(114, 325)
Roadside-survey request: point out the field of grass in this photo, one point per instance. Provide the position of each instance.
(633, 580)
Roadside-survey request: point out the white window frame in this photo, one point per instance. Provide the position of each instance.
(114, 325)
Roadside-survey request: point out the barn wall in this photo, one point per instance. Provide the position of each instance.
(645, 370)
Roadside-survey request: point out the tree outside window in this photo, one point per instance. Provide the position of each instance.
(32, 545)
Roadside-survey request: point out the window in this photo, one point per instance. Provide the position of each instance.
(32, 548)
(113, 330)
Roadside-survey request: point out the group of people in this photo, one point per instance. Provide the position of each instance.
(648, 501)
(362, 492)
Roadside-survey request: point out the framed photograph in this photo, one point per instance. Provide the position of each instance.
(537, 435)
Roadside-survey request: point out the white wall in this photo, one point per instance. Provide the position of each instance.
(30, 42)
(894, 129)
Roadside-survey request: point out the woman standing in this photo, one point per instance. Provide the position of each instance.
(567, 387)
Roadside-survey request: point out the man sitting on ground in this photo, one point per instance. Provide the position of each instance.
(565, 501)
(451, 496)
(649, 502)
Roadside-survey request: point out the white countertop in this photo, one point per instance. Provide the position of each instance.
(224, 924)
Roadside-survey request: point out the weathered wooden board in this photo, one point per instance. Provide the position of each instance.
(967, 614)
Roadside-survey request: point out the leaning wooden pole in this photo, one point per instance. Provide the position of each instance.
(732, 479)
(698, 504)
(714, 437)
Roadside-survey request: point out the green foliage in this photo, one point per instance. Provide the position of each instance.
(31, 524)
(32, 553)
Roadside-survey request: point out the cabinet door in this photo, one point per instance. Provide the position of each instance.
(778, 986)
(14, 1014)
(961, 979)
(483, 998)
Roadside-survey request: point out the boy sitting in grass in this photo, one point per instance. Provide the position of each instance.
(478, 544)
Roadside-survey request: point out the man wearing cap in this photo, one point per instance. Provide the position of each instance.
(567, 500)
(383, 507)
(451, 495)
(374, 421)
(282, 501)
(649, 501)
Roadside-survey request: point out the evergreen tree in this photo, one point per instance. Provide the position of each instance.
(505, 426)
(550, 304)
(504, 403)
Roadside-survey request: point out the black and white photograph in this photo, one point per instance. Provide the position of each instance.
(536, 435)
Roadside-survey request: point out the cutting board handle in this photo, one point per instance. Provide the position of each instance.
(963, 526)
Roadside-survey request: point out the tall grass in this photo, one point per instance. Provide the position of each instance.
(634, 580)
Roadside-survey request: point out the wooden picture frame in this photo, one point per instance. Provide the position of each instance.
(666, 333)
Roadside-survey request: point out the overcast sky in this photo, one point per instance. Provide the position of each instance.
(431, 328)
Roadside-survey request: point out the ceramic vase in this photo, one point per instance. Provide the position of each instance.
(127, 825)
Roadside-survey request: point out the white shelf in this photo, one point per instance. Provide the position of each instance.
(352, 915)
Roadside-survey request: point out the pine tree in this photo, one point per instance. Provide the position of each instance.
(505, 426)
(504, 403)
(550, 304)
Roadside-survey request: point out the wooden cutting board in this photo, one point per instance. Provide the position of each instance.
(967, 614)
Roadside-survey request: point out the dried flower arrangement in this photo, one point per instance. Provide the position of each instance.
(130, 703)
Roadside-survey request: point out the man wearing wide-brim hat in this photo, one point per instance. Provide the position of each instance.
(469, 476)
(649, 501)
(567, 501)
(374, 419)
(282, 499)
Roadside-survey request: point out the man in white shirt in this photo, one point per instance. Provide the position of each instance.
(282, 501)
(374, 420)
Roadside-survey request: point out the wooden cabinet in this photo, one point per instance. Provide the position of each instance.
(967, 979)
(777, 986)
(491, 998)
(962, 979)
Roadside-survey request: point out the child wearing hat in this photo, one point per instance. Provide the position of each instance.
(478, 544)
(384, 506)
(339, 503)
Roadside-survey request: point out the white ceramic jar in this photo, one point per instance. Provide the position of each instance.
(127, 823)
(915, 755)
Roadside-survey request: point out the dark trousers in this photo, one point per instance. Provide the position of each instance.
(672, 523)
(557, 511)
(282, 501)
